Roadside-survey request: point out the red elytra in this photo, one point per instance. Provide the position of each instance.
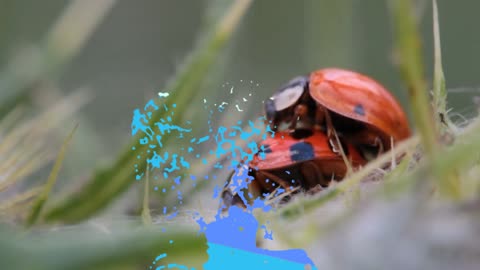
(283, 150)
(285, 162)
(332, 99)
(361, 98)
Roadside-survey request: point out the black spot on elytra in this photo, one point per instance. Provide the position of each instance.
(302, 151)
(359, 110)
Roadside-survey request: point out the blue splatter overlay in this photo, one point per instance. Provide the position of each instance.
(231, 237)
(231, 242)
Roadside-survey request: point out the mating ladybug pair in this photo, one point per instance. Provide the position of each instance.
(315, 117)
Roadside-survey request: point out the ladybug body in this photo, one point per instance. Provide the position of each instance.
(286, 163)
(355, 106)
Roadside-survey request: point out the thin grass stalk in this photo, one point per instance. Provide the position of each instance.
(408, 46)
(439, 86)
(80, 248)
(52, 179)
(146, 217)
(347, 185)
(439, 90)
(10, 204)
(447, 162)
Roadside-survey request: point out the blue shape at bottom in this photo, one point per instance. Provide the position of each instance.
(232, 245)
(224, 257)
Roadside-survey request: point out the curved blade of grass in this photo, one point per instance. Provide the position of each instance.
(411, 65)
(447, 162)
(408, 46)
(308, 204)
(82, 248)
(52, 179)
(107, 183)
(24, 148)
(19, 199)
(439, 88)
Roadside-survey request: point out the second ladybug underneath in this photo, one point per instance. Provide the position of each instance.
(286, 163)
(314, 118)
(357, 107)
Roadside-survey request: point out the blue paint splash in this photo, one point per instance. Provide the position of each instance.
(231, 238)
(231, 244)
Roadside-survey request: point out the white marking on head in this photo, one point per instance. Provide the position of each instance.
(287, 97)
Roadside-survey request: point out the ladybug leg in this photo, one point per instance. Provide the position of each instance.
(368, 138)
(312, 175)
(281, 182)
(319, 118)
(300, 115)
(230, 197)
(332, 133)
(378, 143)
(254, 188)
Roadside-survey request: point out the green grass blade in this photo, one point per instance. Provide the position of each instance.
(52, 179)
(439, 91)
(447, 162)
(408, 46)
(83, 248)
(146, 217)
(348, 184)
(10, 204)
(439, 87)
(108, 183)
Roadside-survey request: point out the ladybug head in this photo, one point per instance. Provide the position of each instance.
(281, 108)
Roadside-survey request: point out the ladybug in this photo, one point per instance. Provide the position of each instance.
(355, 106)
(286, 163)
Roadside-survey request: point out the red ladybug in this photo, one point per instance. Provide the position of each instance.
(286, 162)
(354, 105)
